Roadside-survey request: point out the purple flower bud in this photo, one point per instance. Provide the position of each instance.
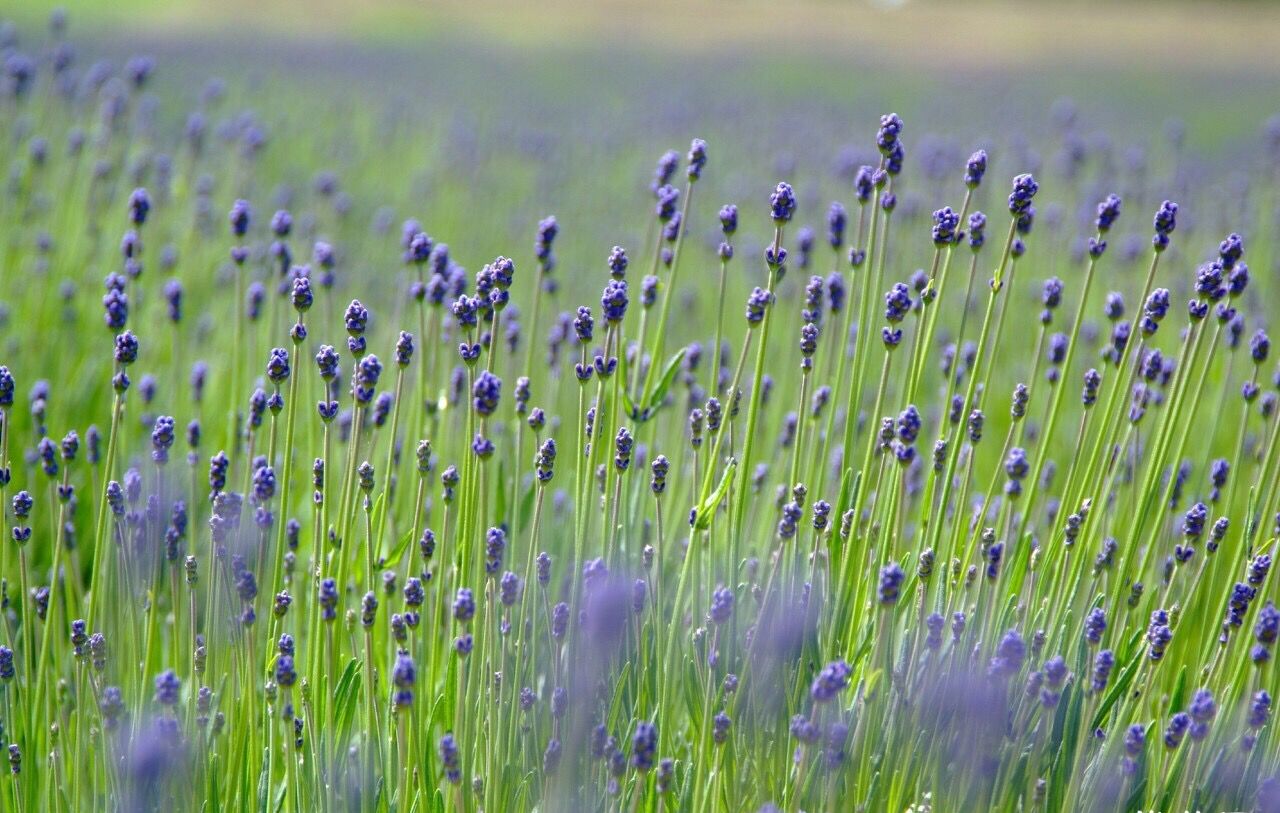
(833, 679)
(782, 203)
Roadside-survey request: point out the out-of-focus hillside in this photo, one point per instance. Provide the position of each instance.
(1152, 35)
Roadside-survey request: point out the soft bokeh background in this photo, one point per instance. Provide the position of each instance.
(480, 117)
(785, 78)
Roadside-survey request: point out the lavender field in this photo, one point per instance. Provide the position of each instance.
(563, 409)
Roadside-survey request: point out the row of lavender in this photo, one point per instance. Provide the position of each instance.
(996, 533)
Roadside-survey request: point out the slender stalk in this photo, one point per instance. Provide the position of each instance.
(757, 393)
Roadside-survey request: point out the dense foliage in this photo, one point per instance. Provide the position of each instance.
(772, 521)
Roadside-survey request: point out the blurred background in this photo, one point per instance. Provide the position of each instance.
(480, 117)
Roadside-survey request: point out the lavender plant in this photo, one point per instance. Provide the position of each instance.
(755, 531)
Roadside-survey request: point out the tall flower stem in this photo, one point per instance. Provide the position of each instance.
(346, 506)
(840, 347)
(713, 460)
(389, 468)
(1166, 492)
(58, 544)
(757, 395)
(286, 478)
(1155, 459)
(1110, 420)
(931, 320)
(863, 490)
(660, 336)
(800, 422)
(237, 307)
(952, 377)
(934, 529)
(532, 340)
(4, 504)
(848, 554)
(100, 545)
(636, 371)
(713, 362)
(865, 310)
(1051, 423)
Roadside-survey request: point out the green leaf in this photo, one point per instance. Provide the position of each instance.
(1178, 697)
(1251, 523)
(664, 382)
(848, 482)
(1174, 779)
(379, 508)
(615, 707)
(708, 508)
(280, 794)
(1019, 778)
(215, 789)
(526, 505)
(346, 698)
(1139, 789)
(264, 780)
(439, 709)
(622, 369)
(873, 681)
(398, 552)
(1067, 729)
(629, 407)
(1121, 684)
(500, 503)
(692, 689)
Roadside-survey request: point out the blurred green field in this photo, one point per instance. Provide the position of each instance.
(1002, 33)
(948, 67)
